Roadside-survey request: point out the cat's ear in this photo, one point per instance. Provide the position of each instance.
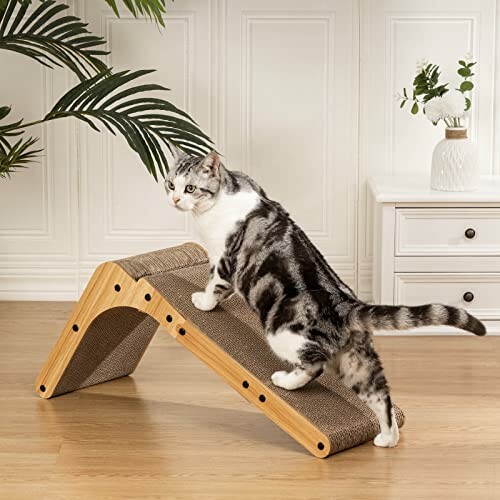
(210, 164)
(177, 153)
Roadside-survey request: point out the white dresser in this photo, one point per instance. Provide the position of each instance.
(435, 246)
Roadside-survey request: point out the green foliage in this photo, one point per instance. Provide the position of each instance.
(426, 86)
(426, 82)
(49, 37)
(466, 86)
(148, 123)
(14, 155)
(17, 156)
(465, 72)
(145, 123)
(154, 9)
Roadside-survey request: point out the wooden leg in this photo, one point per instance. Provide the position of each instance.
(107, 333)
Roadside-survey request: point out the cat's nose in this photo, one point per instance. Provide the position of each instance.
(176, 199)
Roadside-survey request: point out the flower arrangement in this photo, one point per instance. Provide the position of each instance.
(437, 100)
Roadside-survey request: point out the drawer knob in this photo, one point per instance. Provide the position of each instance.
(470, 233)
(468, 296)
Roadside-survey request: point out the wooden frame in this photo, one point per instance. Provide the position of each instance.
(101, 295)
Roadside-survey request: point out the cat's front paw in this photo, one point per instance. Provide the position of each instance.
(203, 301)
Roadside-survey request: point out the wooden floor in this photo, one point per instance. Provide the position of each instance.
(175, 430)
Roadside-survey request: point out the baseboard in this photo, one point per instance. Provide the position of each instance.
(41, 284)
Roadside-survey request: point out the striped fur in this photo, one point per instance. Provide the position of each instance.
(312, 319)
(372, 317)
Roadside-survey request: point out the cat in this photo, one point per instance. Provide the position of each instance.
(311, 318)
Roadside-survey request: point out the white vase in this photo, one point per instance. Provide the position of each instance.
(454, 163)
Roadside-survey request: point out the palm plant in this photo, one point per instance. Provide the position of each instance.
(148, 123)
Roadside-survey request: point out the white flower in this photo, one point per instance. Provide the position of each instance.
(434, 110)
(450, 105)
(453, 104)
(422, 64)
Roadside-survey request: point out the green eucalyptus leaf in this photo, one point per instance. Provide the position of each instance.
(465, 72)
(414, 108)
(466, 86)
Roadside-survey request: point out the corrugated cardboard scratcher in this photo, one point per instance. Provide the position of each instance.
(121, 309)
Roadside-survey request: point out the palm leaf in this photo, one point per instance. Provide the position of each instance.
(49, 37)
(148, 124)
(154, 9)
(13, 157)
(10, 130)
(16, 156)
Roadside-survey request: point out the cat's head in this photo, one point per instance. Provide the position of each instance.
(194, 182)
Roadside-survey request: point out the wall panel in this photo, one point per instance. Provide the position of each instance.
(291, 112)
(38, 205)
(299, 95)
(394, 35)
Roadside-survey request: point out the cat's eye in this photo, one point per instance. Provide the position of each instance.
(170, 185)
(190, 188)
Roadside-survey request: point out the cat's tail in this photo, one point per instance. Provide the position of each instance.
(373, 317)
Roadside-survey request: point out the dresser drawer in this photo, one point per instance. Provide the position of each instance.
(481, 290)
(447, 231)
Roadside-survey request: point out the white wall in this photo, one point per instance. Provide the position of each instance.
(298, 94)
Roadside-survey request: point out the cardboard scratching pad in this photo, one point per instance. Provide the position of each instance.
(126, 300)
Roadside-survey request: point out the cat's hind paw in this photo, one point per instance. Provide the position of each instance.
(203, 301)
(387, 440)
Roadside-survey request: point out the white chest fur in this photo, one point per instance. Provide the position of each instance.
(218, 222)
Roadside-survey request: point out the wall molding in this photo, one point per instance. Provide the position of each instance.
(55, 260)
(325, 21)
(381, 144)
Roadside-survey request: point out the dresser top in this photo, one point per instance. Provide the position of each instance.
(408, 189)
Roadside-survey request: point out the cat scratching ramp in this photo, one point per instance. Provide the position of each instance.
(121, 309)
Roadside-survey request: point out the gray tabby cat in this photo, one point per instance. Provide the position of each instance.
(311, 318)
